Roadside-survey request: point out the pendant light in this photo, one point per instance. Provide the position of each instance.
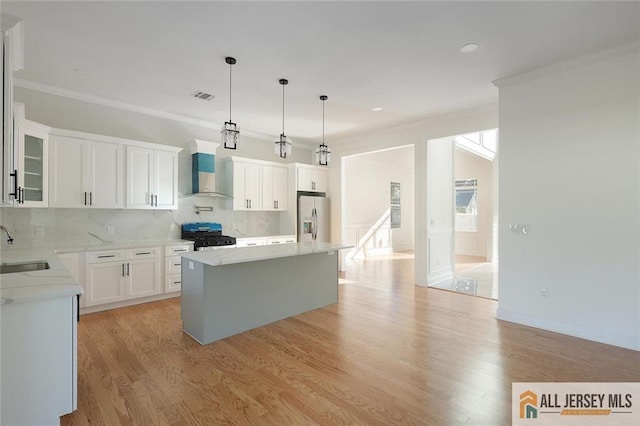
(323, 153)
(230, 130)
(283, 145)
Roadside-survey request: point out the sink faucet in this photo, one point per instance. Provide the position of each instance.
(9, 238)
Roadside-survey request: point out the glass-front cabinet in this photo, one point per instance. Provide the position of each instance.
(31, 174)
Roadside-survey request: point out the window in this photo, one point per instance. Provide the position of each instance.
(466, 205)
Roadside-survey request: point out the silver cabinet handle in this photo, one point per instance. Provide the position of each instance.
(143, 252)
(123, 269)
(90, 198)
(103, 256)
(85, 198)
(179, 250)
(127, 268)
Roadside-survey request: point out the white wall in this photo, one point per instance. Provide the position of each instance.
(470, 166)
(569, 167)
(367, 179)
(440, 211)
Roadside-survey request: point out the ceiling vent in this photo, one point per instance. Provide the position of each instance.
(203, 95)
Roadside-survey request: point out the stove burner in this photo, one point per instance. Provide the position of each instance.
(206, 235)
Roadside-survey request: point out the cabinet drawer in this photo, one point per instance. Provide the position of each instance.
(105, 256)
(176, 250)
(143, 253)
(173, 265)
(250, 242)
(173, 283)
(281, 240)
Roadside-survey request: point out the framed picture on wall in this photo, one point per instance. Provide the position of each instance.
(395, 217)
(395, 193)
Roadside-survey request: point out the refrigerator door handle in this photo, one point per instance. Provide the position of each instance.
(314, 216)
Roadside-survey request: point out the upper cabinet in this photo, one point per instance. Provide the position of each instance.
(255, 184)
(31, 173)
(152, 178)
(311, 178)
(90, 171)
(85, 173)
(275, 184)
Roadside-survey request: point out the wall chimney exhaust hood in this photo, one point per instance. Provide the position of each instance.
(203, 169)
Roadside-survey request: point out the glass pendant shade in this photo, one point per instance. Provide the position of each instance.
(229, 131)
(282, 147)
(323, 155)
(230, 134)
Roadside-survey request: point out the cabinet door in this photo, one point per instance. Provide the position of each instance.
(319, 180)
(253, 186)
(247, 186)
(105, 171)
(143, 278)
(139, 175)
(33, 165)
(304, 179)
(104, 283)
(274, 188)
(166, 180)
(281, 187)
(66, 168)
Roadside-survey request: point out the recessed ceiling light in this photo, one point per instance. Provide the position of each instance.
(468, 48)
(377, 108)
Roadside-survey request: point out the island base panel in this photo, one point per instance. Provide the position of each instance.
(220, 301)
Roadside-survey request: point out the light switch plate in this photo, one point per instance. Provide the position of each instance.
(518, 228)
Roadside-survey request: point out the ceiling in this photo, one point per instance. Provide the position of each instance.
(403, 56)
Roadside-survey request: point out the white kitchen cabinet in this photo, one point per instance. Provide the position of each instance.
(85, 173)
(311, 178)
(250, 242)
(173, 265)
(32, 164)
(39, 361)
(116, 275)
(275, 188)
(152, 178)
(247, 185)
(282, 240)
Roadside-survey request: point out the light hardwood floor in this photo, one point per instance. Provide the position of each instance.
(388, 353)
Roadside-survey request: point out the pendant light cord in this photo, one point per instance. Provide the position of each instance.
(323, 122)
(230, 66)
(283, 109)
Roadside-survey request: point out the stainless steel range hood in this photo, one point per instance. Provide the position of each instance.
(203, 169)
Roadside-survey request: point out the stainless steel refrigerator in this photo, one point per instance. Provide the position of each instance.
(313, 218)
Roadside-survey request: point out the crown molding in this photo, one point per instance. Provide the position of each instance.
(125, 106)
(603, 55)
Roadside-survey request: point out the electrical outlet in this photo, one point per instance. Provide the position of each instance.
(39, 232)
(544, 292)
(111, 229)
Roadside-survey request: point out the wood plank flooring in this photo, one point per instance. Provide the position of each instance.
(388, 353)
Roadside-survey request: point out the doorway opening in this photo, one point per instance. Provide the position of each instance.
(378, 204)
(474, 240)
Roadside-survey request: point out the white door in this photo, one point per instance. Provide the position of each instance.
(139, 178)
(319, 180)
(253, 186)
(105, 283)
(105, 171)
(33, 165)
(66, 179)
(240, 199)
(281, 187)
(304, 179)
(143, 278)
(166, 180)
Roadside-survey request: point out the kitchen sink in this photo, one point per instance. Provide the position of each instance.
(36, 265)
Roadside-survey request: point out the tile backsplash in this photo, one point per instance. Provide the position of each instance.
(50, 227)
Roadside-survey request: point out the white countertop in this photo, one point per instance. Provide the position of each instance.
(35, 285)
(251, 254)
(56, 281)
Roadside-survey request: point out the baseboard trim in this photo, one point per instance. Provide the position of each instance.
(609, 337)
(130, 302)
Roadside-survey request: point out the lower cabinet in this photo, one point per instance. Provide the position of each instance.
(173, 266)
(38, 344)
(116, 275)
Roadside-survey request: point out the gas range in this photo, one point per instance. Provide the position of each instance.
(206, 235)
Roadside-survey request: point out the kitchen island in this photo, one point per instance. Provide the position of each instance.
(228, 291)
